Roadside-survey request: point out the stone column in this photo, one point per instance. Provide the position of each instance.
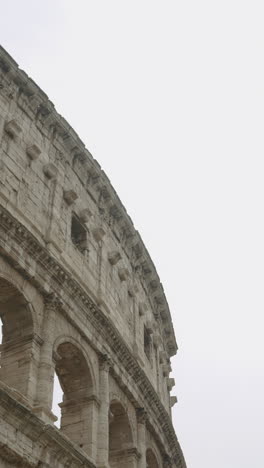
(44, 394)
(103, 420)
(141, 436)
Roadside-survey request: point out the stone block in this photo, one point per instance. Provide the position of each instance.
(163, 357)
(33, 152)
(173, 400)
(149, 326)
(123, 274)
(13, 128)
(70, 196)
(114, 257)
(170, 383)
(142, 309)
(98, 233)
(85, 215)
(157, 341)
(50, 171)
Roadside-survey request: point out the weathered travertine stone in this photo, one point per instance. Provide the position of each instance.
(85, 215)
(99, 233)
(70, 196)
(123, 274)
(50, 171)
(13, 128)
(79, 298)
(114, 257)
(33, 152)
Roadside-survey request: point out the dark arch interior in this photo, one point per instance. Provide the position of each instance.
(120, 435)
(76, 383)
(73, 372)
(17, 335)
(14, 313)
(151, 459)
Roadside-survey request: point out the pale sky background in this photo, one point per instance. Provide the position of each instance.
(168, 97)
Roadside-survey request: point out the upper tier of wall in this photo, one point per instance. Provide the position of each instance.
(83, 188)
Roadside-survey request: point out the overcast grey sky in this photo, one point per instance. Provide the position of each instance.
(168, 96)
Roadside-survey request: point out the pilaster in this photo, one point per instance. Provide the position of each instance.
(44, 394)
(103, 420)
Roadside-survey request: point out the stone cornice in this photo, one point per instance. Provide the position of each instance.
(34, 102)
(64, 284)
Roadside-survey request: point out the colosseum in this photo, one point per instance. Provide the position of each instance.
(80, 298)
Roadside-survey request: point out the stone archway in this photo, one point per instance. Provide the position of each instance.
(120, 437)
(18, 356)
(79, 406)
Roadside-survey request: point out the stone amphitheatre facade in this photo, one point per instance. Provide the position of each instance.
(80, 298)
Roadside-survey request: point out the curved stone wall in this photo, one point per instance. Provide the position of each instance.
(80, 297)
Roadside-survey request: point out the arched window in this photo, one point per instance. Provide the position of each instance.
(17, 366)
(151, 459)
(78, 404)
(120, 437)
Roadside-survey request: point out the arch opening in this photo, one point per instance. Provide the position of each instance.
(18, 367)
(56, 400)
(78, 403)
(120, 437)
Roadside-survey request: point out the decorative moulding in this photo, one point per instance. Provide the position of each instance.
(50, 171)
(33, 152)
(13, 128)
(114, 257)
(70, 196)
